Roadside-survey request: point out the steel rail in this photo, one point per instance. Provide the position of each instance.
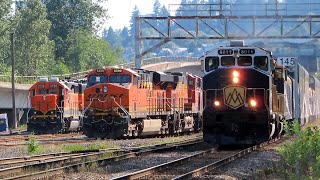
(64, 163)
(199, 171)
(151, 170)
(217, 164)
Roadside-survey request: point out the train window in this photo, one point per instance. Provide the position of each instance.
(199, 83)
(211, 63)
(120, 79)
(33, 92)
(261, 62)
(42, 91)
(227, 61)
(245, 61)
(53, 91)
(97, 79)
(191, 83)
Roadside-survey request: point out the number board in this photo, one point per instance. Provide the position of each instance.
(41, 86)
(247, 51)
(286, 61)
(100, 70)
(117, 70)
(225, 51)
(53, 86)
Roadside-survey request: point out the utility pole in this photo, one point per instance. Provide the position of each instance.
(14, 119)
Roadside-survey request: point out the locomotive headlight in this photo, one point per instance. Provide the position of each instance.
(253, 103)
(235, 74)
(216, 103)
(105, 89)
(235, 79)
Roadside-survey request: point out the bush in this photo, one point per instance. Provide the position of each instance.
(301, 159)
(33, 146)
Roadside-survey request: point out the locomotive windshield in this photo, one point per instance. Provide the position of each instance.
(120, 79)
(212, 63)
(261, 62)
(244, 61)
(53, 91)
(227, 61)
(97, 79)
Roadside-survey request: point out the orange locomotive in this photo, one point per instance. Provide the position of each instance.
(56, 106)
(122, 103)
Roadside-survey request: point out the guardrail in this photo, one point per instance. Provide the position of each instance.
(81, 75)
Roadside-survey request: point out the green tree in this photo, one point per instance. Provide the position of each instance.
(156, 8)
(34, 50)
(124, 36)
(112, 38)
(86, 51)
(5, 6)
(60, 68)
(135, 13)
(67, 15)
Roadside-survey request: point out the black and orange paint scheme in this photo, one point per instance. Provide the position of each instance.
(133, 103)
(56, 106)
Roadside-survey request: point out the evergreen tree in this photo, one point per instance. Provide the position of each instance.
(156, 8)
(135, 13)
(125, 37)
(181, 10)
(34, 50)
(111, 37)
(164, 12)
(5, 6)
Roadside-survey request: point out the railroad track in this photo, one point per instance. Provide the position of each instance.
(19, 140)
(193, 165)
(41, 167)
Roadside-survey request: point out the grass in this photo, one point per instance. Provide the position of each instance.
(22, 127)
(168, 140)
(80, 147)
(33, 146)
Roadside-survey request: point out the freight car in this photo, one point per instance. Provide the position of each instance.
(248, 95)
(133, 103)
(56, 106)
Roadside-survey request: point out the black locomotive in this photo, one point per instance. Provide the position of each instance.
(248, 95)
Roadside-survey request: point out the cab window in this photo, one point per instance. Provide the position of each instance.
(211, 63)
(53, 91)
(120, 79)
(245, 61)
(97, 79)
(199, 83)
(261, 62)
(191, 83)
(42, 91)
(227, 61)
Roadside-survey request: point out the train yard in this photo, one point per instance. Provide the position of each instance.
(181, 159)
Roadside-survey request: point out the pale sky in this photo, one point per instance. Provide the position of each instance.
(120, 10)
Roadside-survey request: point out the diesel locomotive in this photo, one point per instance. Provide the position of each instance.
(56, 106)
(123, 103)
(249, 95)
